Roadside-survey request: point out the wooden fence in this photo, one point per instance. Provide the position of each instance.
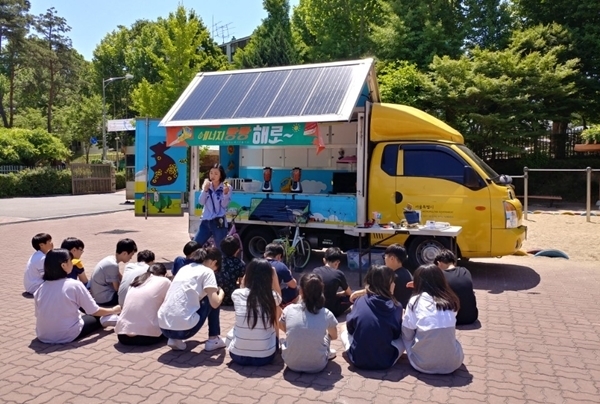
(93, 178)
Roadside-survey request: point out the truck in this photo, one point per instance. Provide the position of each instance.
(318, 138)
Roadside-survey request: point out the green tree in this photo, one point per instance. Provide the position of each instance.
(331, 30)
(488, 23)
(84, 121)
(185, 49)
(417, 31)
(30, 118)
(401, 83)
(52, 52)
(14, 26)
(496, 97)
(581, 19)
(123, 51)
(271, 43)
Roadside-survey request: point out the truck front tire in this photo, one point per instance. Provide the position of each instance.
(422, 250)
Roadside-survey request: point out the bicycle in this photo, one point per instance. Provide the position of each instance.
(232, 232)
(297, 253)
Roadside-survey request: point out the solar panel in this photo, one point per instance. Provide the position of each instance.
(258, 103)
(298, 93)
(201, 98)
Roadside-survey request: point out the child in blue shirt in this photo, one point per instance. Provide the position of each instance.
(180, 262)
(374, 326)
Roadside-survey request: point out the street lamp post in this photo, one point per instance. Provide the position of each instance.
(105, 82)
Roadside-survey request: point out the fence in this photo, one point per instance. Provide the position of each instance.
(16, 169)
(588, 200)
(93, 178)
(523, 146)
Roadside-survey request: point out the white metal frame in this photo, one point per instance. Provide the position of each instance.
(364, 70)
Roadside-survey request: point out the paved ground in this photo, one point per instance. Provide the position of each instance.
(13, 210)
(538, 340)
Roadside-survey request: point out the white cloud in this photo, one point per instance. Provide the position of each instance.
(313, 187)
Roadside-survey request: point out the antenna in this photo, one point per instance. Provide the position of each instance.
(222, 31)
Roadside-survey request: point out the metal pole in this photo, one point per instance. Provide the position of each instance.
(103, 120)
(525, 191)
(588, 200)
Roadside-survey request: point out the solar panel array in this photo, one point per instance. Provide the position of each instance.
(276, 93)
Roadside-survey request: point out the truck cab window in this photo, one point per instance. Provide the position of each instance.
(389, 159)
(432, 163)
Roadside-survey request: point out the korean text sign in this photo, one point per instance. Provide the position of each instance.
(294, 134)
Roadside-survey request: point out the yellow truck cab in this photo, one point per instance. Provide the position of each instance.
(419, 160)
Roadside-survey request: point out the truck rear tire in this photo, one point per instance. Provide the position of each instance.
(255, 240)
(422, 250)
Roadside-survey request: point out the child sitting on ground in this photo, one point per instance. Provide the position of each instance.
(232, 268)
(309, 328)
(138, 322)
(34, 272)
(428, 327)
(180, 262)
(288, 285)
(372, 339)
(58, 301)
(460, 281)
(75, 247)
(106, 278)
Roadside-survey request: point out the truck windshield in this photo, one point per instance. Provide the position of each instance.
(489, 171)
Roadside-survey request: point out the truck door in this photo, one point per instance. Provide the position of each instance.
(437, 181)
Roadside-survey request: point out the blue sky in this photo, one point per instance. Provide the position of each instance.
(91, 20)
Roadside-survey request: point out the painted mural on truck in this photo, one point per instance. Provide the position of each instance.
(160, 172)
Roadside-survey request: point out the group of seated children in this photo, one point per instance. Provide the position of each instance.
(393, 314)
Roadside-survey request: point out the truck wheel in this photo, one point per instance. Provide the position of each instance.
(423, 250)
(255, 241)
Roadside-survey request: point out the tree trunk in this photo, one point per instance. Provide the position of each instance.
(559, 139)
(86, 149)
(3, 112)
(11, 98)
(50, 98)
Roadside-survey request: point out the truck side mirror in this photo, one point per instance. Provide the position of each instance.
(471, 179)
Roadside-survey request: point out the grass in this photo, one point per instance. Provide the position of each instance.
(80, 158)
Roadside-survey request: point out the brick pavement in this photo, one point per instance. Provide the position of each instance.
(538, 340)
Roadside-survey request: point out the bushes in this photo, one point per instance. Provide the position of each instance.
(120, 180)
(43, 181)
(35, 182)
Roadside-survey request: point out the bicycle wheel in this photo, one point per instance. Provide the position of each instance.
(302, 254)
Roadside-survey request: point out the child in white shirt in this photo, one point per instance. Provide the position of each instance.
(34, 272)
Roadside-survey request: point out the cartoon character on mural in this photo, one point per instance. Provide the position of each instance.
(159, 201)
(165, 169)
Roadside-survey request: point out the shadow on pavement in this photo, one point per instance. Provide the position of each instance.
(42, 348)
(499, 278)
(322, 381)
(138, 349)
(466, 327)
(459, 378)
(117, 231)
(258, 371)
(188, 359)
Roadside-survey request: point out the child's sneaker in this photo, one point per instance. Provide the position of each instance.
(214, 344)
(109, 321)
(176, 344)
(332, 354)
